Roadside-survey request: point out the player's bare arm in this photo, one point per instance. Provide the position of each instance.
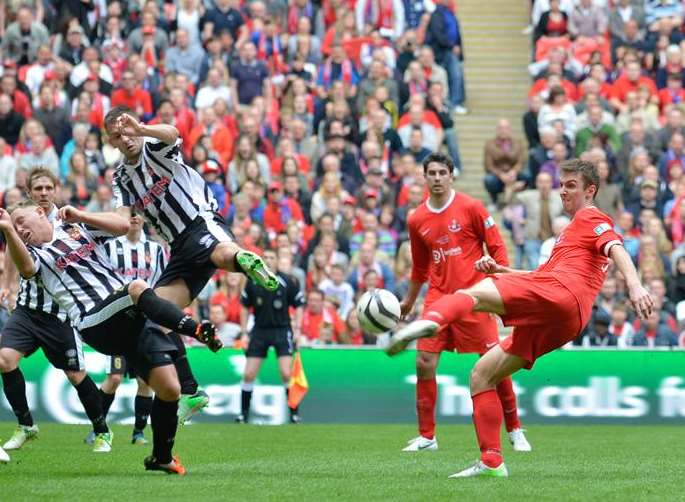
(130, 126)
(408, 301)
(642, 301)
(110, 222)
(17, 249)
(489, 266)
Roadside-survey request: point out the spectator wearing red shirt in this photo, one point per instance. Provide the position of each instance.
(631, 80)
(135, 98)
(320, 324)
(280, 210)
(673, 93)
(228, 296)
(221, 138)
(20, 102)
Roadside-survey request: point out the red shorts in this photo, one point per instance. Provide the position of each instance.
(545, 314)
(476, 333)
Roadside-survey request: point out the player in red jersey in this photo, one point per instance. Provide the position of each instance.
(447, 233)
(547, 307)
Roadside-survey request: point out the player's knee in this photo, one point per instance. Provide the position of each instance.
(425, 366)
(480, 379)
(169, 390)
(249, 376)
(9, 360)
(114, 380)
(75, 377)
(136, 288)
(224, 255)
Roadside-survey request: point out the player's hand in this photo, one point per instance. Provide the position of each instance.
(405, 308)
(5, 220)
(129, 126)
(642, 301)
(70, 214)
(487, 265)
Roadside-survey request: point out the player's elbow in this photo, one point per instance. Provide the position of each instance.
(121, 226)
(26, 270)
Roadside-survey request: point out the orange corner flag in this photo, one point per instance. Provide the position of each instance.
(298, 386)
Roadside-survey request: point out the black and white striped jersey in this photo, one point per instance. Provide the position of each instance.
(31, 293)
(168, 193)
(75, 270)
(144, 259)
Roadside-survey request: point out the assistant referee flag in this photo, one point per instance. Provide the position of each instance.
(298, 386)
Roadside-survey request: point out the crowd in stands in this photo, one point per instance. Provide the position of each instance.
(308, 119)
(607, 86)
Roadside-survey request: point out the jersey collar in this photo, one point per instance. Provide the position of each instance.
(441, 209)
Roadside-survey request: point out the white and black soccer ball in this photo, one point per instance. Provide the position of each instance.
(378, 311)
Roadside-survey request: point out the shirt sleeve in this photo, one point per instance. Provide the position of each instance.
(158, 149)
(295, 296)
(489, 233)
(117, 195)
(246, 296)
(99, 236)
(36, 261)
(420, 254)
(600, 228)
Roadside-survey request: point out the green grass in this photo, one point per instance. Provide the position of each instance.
(349, 462)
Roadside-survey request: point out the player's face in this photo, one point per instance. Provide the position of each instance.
(43, 192)
(439, 178)
(271, 260)
(128, 145)
(32, 225)
(574, 194)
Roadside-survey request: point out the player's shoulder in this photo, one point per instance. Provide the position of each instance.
(592, 214)
(418, 215)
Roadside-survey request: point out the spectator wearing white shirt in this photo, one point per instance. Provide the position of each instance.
(8, 166)
(40, 155)
(36, 72)
(214, 89)
(185, 58)
(90, 64)
(336, 287)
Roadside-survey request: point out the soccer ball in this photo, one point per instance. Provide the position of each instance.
(378, 311)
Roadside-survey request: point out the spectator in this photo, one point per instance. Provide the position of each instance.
(148, 39)
(8, 166)
(608, 198)
(101, 201)
(133, 97)
(530, 121)
(386, 16)
(551, 167)
(215, 88)
(503, 159)
(184, 57)
(587, 21)
(53, 118)
(552, 23)
(378, 76)
(72, 50)
(542, 205)
(647, 199)
(23, 37)
(558, 109)
(619, 327)
(224, 16)
(674, 124)
(80, 183)
(11, 122)
(249, 76)
(655, 333)
(558, 225)
(220, 138)
(543, 152)
(321, 325)
(597, 128)
(228, 332)
(444, 37)
(331, 186)
(35, 74)
(624, 12)
(336, 287)
(599, 334)
(674, 156)
(40, 155)
(280, 210)
(631, 80)
(368, 261)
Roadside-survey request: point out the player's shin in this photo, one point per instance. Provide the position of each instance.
(426, 397)
(185, 374)
(245, 399)
(164, 423)
(487, 419)
(505, 392)
(143, 408)
(449, 308)
(89, 395)
(14, 386)
(107, 400)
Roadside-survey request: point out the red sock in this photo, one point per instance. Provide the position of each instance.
(487, 419)
(505, 391)
(449, 308)
(426, 396)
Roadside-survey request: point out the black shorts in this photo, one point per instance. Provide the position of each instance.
(261, 339)
(115, 327)
(28, 330)
(116, 365)
(191, 251)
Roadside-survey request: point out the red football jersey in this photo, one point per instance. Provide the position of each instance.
(580, 260)
(446, 243)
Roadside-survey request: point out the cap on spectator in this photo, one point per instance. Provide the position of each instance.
(148, 30)
(371, 193)
(649, 183)
(275, 185)
(376, 170)
(350, 201)
(210, 166)
(601, 317)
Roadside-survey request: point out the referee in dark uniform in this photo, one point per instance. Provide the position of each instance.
(273, 326)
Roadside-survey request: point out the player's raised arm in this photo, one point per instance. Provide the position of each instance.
(130, 126)
(639, 297)
(110, 222)
(16, 247)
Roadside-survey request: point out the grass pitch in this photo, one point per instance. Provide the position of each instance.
(348, 462)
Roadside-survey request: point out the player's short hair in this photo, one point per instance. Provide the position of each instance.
(22, 204)
(117, 112)
(587, 170)
(439, 158)
(41, 172)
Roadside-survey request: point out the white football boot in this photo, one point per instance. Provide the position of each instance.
(480, 469)
(421, 443)
(518, 440)
(4, 457)
(422, 328)
(21, 435)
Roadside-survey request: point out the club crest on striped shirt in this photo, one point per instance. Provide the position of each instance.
(73, 233)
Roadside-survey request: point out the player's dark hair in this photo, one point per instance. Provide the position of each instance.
(439, 158)
(587, 170)
(41, 172)
(117, 112)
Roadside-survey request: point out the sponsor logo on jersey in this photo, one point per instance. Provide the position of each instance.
(600, 229)
(454, 226)
(206, 241)
(443, 240)
(441, 254)
(78, 254)
(158, 189)
(489, 222)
